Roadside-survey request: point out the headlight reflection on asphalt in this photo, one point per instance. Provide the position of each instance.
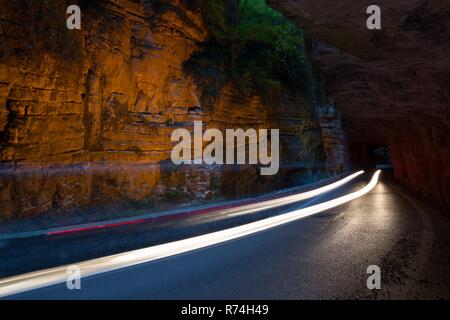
(39, 279)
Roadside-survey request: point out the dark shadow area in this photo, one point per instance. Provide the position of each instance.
(369, 155)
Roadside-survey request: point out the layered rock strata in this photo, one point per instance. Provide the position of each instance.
(86, 116)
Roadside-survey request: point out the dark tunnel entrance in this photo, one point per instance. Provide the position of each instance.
(369, 155)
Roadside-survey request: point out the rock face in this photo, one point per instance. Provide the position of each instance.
(392, 85)
(86, 116)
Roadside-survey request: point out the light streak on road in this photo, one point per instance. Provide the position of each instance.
(44, 278)
(271, 204)
(230, 211)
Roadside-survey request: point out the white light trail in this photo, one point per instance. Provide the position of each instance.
(44, 278)
(271, 204)
(232, 211)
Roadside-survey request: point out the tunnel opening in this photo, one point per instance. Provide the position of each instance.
(369, 155)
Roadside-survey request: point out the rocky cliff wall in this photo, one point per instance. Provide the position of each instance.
(86, 116)
(391, 84)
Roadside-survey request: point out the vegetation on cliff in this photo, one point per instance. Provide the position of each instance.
(252, 46)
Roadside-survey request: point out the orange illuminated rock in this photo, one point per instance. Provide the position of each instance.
(86, 116)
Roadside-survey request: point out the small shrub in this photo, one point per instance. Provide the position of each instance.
(252, 46)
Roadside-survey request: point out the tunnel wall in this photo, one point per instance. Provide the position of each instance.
(391, 84)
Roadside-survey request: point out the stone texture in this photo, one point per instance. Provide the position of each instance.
(392, 85)
(86, 116)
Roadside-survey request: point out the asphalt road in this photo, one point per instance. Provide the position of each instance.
(325, 256)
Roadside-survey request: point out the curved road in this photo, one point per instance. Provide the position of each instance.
(324, 256)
